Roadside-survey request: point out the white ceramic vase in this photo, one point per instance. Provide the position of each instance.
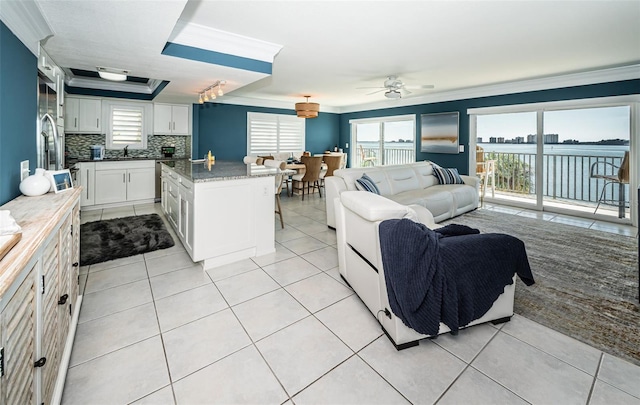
(36, 184)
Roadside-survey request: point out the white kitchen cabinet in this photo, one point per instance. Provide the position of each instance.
(171, 119)
(111, 186)
(86, 177)
(83, 115)
(141, 183)
(38, 308)
(185, 222)
(122, 182)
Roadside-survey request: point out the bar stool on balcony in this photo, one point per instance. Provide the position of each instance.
(486, 170)
(621, 177)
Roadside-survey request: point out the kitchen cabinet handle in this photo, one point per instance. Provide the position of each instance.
(97, 122)
(174, 196)
(41, 362)
(87, 183)
(174, 125)
(183, 185)
(129, 177)
(169, 125)
(124, 178)
(75, 123)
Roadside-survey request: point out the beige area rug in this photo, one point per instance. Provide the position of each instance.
(586, 280)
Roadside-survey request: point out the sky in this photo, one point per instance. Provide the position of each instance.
(585, 125)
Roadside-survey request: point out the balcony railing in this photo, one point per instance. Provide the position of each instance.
(565, 177)
(391, 156)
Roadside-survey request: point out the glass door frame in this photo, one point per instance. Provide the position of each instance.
(353, 138)
(633, 101)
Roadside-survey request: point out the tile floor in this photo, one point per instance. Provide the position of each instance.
(284, 328)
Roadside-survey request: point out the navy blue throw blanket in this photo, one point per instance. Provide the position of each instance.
(450, 275)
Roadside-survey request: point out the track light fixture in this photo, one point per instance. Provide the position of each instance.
(209, 93)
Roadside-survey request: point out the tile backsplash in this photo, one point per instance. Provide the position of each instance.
(78, 146)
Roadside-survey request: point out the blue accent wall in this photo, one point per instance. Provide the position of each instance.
(18, 111)
(222, 128)
(461, 160)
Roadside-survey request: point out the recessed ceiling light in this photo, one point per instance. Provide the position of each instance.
(116, 75)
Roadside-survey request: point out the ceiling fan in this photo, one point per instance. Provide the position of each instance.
(394, 88)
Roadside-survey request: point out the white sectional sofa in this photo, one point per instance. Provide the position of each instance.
(412, 183)
(358, 216)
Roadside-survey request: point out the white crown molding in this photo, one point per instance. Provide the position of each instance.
(569, 80)
(199, 36)
(257, 102)
(25, 19)
(576, 79)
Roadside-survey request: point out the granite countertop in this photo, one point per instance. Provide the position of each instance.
(125, 159)
(200, 171)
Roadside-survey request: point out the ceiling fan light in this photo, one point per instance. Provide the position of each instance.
(307, 109)
(393, 94)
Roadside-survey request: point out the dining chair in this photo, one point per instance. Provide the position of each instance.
(311, 175)
(279, 164)
(599, 170)
(253, 159)
(333, 163)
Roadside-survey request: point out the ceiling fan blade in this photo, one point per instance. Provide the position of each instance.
(373, 87)
(424, 86)
(406, 91)
(377, 91)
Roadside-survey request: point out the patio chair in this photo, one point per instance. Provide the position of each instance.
(364, 159)
(617, 175)
(486, 170)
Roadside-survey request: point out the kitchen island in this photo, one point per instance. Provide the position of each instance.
(222, 212)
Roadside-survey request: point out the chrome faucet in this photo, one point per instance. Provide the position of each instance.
(126, 151)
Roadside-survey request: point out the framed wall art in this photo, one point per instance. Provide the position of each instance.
(439, 132)
(60, 180)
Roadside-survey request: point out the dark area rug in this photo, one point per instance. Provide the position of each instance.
(586, 280)
(101, 241)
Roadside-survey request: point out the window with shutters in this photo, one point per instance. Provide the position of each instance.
(274, 133)
(126, 127)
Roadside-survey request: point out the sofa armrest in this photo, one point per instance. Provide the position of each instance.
(424, 216)
(471, 180)
(333, 186)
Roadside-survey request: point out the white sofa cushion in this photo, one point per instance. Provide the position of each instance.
(402, 178)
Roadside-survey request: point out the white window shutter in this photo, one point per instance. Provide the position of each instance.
(273, 133)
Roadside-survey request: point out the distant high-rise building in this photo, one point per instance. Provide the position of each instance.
(492, 139)
(518, 139)
(532, 138)
(500, 139)
(551, 138)
(479, 140)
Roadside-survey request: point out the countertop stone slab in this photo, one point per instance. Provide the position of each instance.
(201, 171)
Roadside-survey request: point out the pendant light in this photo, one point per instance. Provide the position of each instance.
(307, 109)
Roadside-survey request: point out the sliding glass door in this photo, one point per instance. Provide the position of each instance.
(383, 141)
(509, 142)
(584, 154)
(570, 159)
